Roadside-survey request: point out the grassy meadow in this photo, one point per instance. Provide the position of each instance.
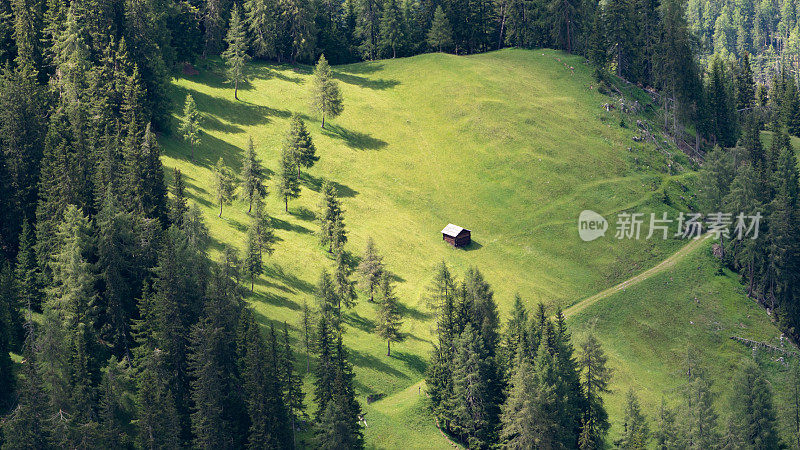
(512, 145)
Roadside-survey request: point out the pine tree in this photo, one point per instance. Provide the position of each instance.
(636, 434)
(253, 257)
(288, 182)
(370, 269)
(440, 35)
(190, 124)
(252, 176)
(753, 412)
(299, 145)
(236, 54)
(326, 99)
(224, 184)
(180, 205)
(389, 314)
(391, 31)
(261, 17)
(596, 376)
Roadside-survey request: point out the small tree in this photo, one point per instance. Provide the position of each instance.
(389, 315)
(225, 184)
(236, 54)
(252, 262)
(288, 182)
(370, 268)
(179, 204)
(330, 213)
(300, 145)
(636, 433)
(307, 325)
(263, 225)
(190, 124)
(341, 277)
(440, 35)
(326, 98)
(252, 176)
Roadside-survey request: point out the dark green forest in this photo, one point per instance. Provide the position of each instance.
(132, 337)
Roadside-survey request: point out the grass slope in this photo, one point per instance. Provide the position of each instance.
(511, 144)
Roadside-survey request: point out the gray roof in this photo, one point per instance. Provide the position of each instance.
(453, 230)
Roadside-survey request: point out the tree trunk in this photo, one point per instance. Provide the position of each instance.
(286, 203)
(388, 347)
(220, 209)
(323, 120)
(236, 89)
(252, 283)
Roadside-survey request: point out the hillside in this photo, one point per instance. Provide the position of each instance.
(512, 145)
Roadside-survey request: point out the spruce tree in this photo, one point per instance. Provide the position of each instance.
(179, 206)
(224, 184)
(518, 417)
(261, 18)
(700, 420)
(330, 214)
(288, 181)
(235, 55)
(253, 257)
(7, 305)
(440, 35)
(158, 419)
(190, 124)
(471, 398)
(262, 223)
(667, 435)
(345, 289)
(370, 269)
(596, 377)
(292, 386)
(391, 31)
(27, 426)
(326, 98)
(389, 313)
(752, 407)
(636, 431)
(252, 176)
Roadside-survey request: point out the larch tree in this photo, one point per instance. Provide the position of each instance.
(288, 186)
(389, 313)
(370, 269)
(190, 124)
(440, 36)
(224, 183)
(326, 98)
(235, 55)
(252, 176)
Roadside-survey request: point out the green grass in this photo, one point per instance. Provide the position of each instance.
(511, 144)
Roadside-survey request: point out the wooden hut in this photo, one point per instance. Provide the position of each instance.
(456, 236)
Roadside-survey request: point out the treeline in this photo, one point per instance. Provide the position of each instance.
(526, 387)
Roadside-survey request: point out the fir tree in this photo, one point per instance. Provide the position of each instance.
(236, 54)
(253, 257)
(471, 397)
(252, 176)
(440, 35)
(224, 184)
(261, 17)
(288, 182)
(636, 431)
(190, 124)
(753, 412)
(370, 269)
(326, 99)
(389, 313)
(345, 289)
(667, 436)
(391, 31)
(180, 205)
(300, 146)
(596, 376)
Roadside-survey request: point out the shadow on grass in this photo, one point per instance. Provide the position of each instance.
(230, 110)
(370, 362)
(377, 84)
(279, 224)
(288, 279)
(413, 362)
(361, 68)
(355, 320)
(206, 154)
(315, 184)
(414, 313)
(473, 245)
(272, 299)
(305, 214)
(354, 139)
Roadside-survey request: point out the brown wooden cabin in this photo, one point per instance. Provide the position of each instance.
(456, 236)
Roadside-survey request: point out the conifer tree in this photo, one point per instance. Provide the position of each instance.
(330, 214)
(753, 411)
(667, 436)
(440, 35)
(263, 225)
(180, 205)
(389, 314)
(224, 184)
(636, 431)
(370, 269)
(158, 418)
(518, 417)
(596, 376)
(252, 176)
(27, 425)
(326, 99)
(288, 181)
(338, 426)
(190, 124)
(391, 31)
(261, 18)
(292, 386)
(7, 305)
(345, 289)
(299, 145)
(441, 290)
(700, 418)
(471, 397)
(235, 55)
(253, 257)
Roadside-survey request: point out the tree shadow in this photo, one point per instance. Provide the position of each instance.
(305, 214)
(413, 362)
(378, 84)
(315, 184)
(288, 279)
(237, 112)
(274, 300)
(370, 362)
(265, 71)
(206, 154)
(212, 123)
(354, 139)
(280, 224)
(355, 320)
(414, 313)
(361, 68)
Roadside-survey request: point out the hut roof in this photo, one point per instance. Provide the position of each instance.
(453, 230)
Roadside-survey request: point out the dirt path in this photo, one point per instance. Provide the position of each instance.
(663, 265)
